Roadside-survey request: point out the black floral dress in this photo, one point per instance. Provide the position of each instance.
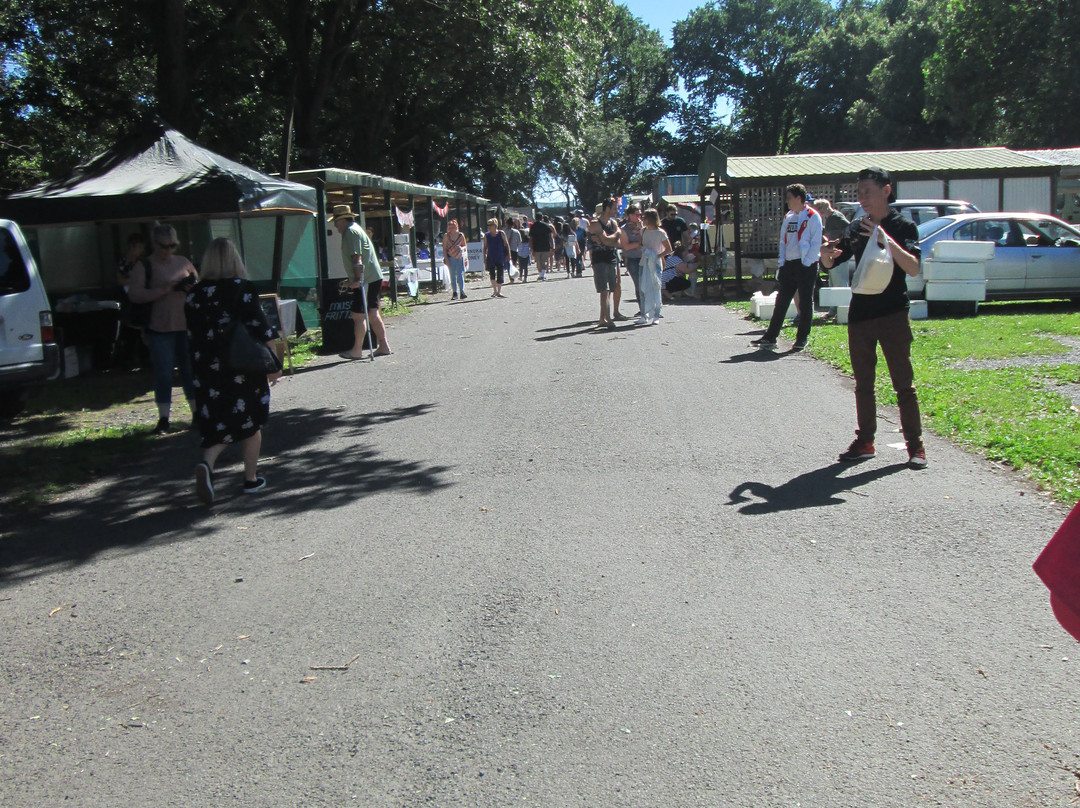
(229, 406)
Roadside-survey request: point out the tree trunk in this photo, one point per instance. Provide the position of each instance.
(173, 76)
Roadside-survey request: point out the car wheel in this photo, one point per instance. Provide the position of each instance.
(11, 403)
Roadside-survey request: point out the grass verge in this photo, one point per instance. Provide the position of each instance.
(1017, 408)
(76, 430)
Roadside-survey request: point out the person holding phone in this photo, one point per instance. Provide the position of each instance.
(881, 319)
(171, 278)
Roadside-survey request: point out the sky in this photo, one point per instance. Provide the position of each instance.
(662, 14)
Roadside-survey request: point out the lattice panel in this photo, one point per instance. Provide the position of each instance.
(761, 211)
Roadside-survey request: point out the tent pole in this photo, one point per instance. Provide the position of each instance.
(393, 250)
(279, 224)
(240, 236)
(320, 223)
(736, 205)
(431, 244)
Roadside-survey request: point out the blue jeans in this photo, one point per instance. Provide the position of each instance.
(168, 350)
(633, 269)
(457, 274)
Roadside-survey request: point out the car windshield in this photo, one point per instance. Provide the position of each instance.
(928, 228)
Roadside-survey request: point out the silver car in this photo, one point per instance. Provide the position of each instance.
(918, 210)
(1035, 255)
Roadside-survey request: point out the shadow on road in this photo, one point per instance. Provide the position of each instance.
(576, 329)
(756, 355)
(814, 489)
(581, 324)
(152, 503)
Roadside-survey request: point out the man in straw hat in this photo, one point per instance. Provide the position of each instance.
(362, 266)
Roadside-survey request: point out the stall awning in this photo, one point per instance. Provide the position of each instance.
(156, 172)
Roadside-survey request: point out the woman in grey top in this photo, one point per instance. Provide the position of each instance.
(632, 251)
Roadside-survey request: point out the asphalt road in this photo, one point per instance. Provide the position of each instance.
(570, 568)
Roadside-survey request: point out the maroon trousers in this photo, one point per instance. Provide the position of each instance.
(893, 334)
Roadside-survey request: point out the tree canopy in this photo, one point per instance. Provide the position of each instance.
(810, 75)
(488, 97)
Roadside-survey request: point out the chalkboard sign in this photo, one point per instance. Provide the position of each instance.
(338, 330)
(271, 308)
(269, 305)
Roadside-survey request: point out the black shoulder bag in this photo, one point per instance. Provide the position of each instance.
(245, 354)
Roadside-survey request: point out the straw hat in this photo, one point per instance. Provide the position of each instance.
(342, 212)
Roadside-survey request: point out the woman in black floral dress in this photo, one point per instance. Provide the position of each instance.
(230, 407)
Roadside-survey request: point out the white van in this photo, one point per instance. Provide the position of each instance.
(29, 354)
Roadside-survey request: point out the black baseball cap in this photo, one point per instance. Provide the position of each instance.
(881, 177)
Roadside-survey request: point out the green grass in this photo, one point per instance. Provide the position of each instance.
(75, 430)
(71, 432)
(1013, 415)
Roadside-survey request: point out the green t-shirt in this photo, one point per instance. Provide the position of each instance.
(354, 241)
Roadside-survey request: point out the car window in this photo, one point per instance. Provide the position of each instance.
(932, 226)
(1042, 233)
(955, 209)
(920, 213)
(965, 232)
(14, 277)
(995, 230)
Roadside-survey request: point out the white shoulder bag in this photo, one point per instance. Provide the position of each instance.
(875, 269)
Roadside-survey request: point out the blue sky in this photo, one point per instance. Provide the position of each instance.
(662, 14)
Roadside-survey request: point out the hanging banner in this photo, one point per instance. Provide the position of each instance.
(404, 219)
(443, 210)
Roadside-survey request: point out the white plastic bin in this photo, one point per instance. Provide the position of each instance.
(829, 296)
(956, 290)
(963, 251)
(935, 270)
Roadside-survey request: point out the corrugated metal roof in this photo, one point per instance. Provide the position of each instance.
(1059, 157)
(345, 178)
(936, 161)
(682, 199)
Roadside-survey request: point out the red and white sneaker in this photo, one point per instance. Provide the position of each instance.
(916, 456)
(858, 450)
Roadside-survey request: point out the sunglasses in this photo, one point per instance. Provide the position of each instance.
(167, 246)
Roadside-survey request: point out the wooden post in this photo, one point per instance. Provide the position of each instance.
(736, 220)
(431, 244)
(393, 248)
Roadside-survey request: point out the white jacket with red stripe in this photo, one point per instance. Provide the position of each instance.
(800, 237)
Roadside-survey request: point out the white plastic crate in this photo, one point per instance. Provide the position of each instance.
(963, 251)
(829, 296)
(956, 290)
(842, 314)
(755, 303)
(918, 310)
(934, 270)
(766, 305)
(71, 362)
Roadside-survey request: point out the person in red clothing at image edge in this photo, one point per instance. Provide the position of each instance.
(881, 319)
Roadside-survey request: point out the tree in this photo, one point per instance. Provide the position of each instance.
(603, 148)
(1005, 73)
(699, 126)
(748, 51)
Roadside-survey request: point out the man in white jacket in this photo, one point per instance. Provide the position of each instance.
(800, 251)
